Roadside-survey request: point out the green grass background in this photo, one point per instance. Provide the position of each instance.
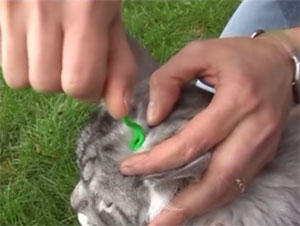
(38, 131)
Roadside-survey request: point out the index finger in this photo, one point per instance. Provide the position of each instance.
(85, 47)
(166, 82)
(202, 133)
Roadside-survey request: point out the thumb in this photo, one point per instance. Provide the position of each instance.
(121, 72)
(167, 81)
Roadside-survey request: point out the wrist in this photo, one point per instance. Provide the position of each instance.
(288, 43)
(294, 36)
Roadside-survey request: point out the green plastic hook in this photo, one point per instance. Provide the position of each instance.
(138, 134)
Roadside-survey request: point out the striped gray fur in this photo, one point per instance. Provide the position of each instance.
(108, 198)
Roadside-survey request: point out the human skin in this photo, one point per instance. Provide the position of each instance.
(76, 47)
(80, 48)
(243, 123)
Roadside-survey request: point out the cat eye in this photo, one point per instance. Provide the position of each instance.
(108, 205)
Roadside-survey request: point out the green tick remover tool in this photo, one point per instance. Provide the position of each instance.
(138, 134)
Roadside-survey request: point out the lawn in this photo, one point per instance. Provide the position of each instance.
(38, 131)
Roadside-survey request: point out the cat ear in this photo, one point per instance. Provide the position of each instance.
(191, 170)
(146, 64)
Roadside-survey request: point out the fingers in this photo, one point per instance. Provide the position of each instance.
(63, 45)
(192, 141)
(166, 82)
(84, 53)
(231, 160)
(44, 42)
(121, 72)
(13, 46)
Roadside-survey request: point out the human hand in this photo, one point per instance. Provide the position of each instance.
(78, 47)
(243, 123)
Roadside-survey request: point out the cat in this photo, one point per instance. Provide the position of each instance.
(104, 197)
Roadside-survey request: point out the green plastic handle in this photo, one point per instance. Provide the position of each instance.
(138, 134)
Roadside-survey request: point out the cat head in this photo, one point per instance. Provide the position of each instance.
(103, 196)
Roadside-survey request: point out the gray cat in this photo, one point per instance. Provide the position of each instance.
(105, 197)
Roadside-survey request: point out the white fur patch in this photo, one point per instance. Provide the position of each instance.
(83, 220)
(158, 200)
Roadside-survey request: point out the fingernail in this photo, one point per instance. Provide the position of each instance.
(126, 100)
(151, 112)
(127, 170)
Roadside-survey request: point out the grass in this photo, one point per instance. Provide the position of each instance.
(38, 131)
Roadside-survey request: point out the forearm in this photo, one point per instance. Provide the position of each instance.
(294, 35)
(289, 39)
